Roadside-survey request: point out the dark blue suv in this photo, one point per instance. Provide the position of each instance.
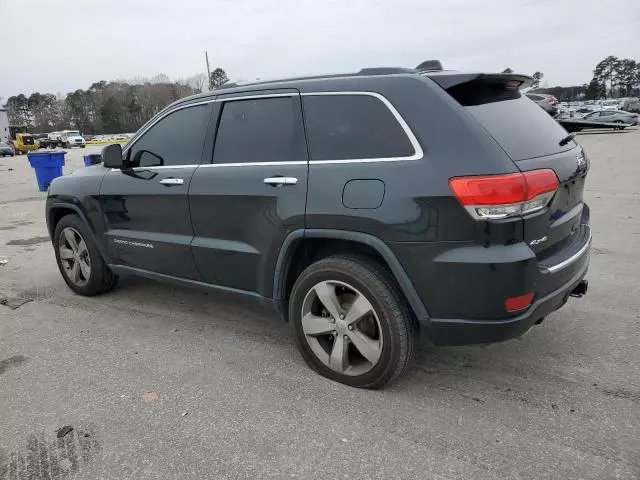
(360, 207)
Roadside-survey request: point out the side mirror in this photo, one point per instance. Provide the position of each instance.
(112, 156)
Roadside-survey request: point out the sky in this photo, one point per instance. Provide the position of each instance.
(78, 42)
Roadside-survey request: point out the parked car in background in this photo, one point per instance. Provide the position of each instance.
(620, 117)
(6, 150)
(584, 110)
(549, 103)
(72, 138)
(347, 207)
(631, 105)
(610, 105)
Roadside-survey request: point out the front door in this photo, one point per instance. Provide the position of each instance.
(252, 192)
(145, 204)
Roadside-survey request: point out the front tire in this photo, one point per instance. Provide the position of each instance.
(351, 323)
(79, 260)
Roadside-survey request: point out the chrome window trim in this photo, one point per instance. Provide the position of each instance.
(251, 97)
(156, 167)
(252, 164)
(417, 149)
(418, 152)
(138, 135)
(213, 165)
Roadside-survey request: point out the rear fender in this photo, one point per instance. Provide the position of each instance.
(284, 259)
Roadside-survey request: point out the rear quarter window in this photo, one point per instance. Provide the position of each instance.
(344, 127)
(521, 127)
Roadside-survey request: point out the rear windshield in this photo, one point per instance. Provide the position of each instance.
(521, 127)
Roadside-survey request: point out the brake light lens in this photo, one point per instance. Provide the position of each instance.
(553, 100)
(514, 304)
(493, 197)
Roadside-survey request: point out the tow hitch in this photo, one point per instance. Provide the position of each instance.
(581, 289)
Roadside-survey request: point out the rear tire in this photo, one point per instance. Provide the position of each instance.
(387, 333)
(82, 268)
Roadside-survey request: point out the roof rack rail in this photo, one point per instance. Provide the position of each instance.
(429, 65)
(227, 85)
(385, 71)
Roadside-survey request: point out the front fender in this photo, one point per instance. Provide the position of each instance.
(57, 206)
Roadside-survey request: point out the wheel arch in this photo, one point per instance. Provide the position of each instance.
(296, 254)
(56, 211)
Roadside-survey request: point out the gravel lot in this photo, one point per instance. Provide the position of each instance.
(162, 382)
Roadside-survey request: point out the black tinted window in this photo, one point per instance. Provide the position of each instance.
(522, 128)
(260, 130)
(353, 127)
(177, 139)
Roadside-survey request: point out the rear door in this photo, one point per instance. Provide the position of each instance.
(251, 193)
(145, 205)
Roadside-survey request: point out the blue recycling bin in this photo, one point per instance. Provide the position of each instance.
(48, 165)
(92, 159)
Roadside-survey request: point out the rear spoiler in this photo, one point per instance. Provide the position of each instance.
(511, 81)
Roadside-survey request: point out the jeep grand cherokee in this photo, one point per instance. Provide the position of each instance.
(359, 206)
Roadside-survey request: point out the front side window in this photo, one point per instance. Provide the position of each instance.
(260, 130)
(344, 127)
(177, 139)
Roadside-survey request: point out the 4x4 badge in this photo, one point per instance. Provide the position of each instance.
(538, 241)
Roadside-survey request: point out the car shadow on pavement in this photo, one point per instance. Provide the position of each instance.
(501, 367)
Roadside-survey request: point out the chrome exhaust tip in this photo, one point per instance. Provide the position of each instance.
(580, 289)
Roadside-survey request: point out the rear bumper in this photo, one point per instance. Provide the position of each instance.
(469, 331)
(464, 286)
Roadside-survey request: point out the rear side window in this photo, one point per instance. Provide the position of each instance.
(177, 139)
(342, 127)
(260, 130)
(521, 127)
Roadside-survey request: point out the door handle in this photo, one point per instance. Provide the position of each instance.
(172, 181)
(279, 181)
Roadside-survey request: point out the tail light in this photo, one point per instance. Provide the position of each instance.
(493, 197)
(553, 100)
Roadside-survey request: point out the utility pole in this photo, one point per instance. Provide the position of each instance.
(206, 57)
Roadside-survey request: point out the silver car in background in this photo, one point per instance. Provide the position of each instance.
(624, 119)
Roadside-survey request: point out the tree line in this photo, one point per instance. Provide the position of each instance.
(105, 107)
(612, 77)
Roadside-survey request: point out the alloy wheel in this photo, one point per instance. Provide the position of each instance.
(342, 328)
(74, 256)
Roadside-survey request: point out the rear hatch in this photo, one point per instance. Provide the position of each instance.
(533, 140)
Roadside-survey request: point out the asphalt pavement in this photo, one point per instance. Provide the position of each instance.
(152, 381)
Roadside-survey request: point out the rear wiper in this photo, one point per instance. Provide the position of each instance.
(567, 139)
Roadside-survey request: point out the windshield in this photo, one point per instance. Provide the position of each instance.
(73, 133)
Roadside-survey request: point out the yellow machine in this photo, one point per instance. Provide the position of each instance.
(22, 142)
